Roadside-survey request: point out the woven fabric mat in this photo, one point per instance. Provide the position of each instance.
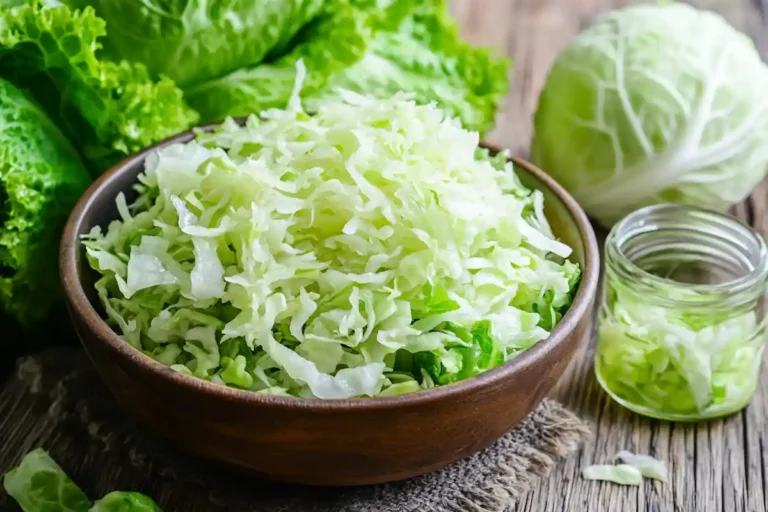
(55, 400)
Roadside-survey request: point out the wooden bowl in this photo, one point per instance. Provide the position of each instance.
(331, 442)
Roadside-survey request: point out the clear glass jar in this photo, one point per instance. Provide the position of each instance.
(682, 322)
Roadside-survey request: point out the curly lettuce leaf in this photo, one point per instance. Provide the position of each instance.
(107, 109)
(41, 178)
(38, 484)
(417, 48)
(193, 42)
(376, 48)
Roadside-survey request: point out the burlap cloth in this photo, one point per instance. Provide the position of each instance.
(55, 400)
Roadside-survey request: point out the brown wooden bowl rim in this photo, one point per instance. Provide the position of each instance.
(81, 306)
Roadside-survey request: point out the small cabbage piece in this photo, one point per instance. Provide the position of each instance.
(676, 361)
(120, 501)
(622, 474)
(648, 466)
(367, 249)
(655, 103)
(38, 484)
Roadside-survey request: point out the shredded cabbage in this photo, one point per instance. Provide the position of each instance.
(650, 467)
(622, 474)
(370, 249)
(677, 362)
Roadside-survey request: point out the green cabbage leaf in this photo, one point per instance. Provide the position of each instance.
(236, 58)
(332, 43)
(192, 42)
(41, 178)
(120, 501)
(38, 484)
(371, 49)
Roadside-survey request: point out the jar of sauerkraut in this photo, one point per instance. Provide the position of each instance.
(682, 323)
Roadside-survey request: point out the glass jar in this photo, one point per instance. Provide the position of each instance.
(682, 322)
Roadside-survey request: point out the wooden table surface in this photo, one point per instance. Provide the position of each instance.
(721, 465)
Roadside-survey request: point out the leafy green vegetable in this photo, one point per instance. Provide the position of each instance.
(334, 42)
(372, 49)
(119, 501)
(676, 362)
(38, 484)
(416, 47)
(82, 107)
(193, 42)
(655, 103)
(368, 249)
(622, 474)
(107, 109)
(41, 178)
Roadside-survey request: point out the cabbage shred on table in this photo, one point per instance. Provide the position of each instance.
(370, 249)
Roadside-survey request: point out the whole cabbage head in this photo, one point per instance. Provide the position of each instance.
(655, 103)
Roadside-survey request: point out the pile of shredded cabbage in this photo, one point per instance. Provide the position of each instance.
(370, 249)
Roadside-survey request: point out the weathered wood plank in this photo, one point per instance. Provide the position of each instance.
(717, 465)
